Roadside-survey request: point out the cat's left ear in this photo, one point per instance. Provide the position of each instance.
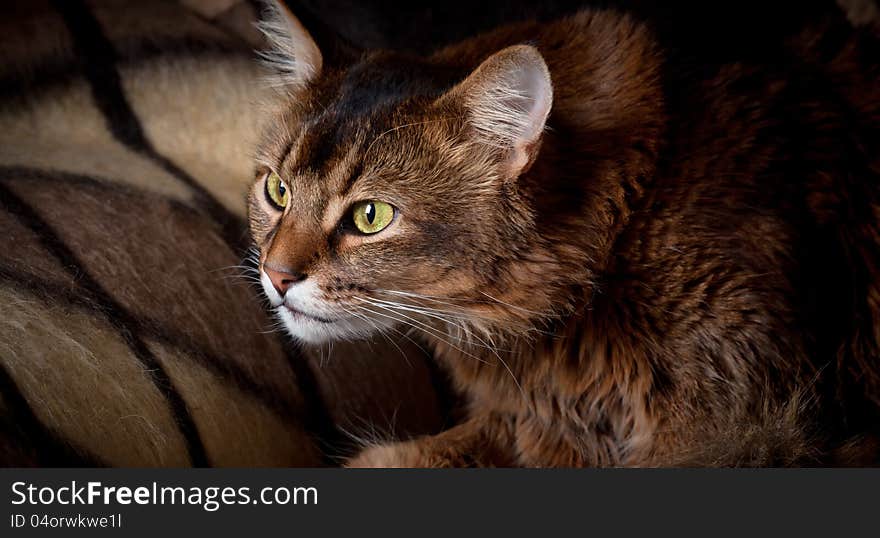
(507, 100)
(293, 55)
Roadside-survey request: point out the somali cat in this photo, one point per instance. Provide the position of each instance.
(620, 261)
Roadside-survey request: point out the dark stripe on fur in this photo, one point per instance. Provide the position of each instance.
(61, 71)
(314, 417)
(130, 330)
(353, 176)
(48, 448)
(99, 62)
(221, 366)
(27, 173)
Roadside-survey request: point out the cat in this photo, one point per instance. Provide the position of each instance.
(621, 259)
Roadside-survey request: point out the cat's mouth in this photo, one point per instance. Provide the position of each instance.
(299, 314)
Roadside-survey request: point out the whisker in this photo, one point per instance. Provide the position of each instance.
(378, 330)
(469, 317)
(395, 307)
(426, 328)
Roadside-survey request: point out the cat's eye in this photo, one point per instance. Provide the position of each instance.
(276, 190)
(372, 216)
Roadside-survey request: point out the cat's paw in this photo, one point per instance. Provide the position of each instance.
(400, 455)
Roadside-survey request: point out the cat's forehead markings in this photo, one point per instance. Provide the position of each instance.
(333, 213)
(345, 172)
(291, 159)
(354, 168)
(323, 145)
(290, 151)
(334, 182)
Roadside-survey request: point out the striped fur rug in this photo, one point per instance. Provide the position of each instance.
(128, 336)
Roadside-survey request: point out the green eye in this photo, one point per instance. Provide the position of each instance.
(276, 190)
(371, 216)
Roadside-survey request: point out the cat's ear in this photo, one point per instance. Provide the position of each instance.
(293, 56)
(507, 100)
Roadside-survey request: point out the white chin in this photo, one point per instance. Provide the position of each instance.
(319, 332)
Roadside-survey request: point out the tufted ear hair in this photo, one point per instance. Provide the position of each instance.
(293, 56)
(507, 100)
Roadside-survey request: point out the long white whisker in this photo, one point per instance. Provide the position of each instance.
(440, 300)
(484, 344)
(426, 328)
(428, 312)
(375, 326)
(459, 326)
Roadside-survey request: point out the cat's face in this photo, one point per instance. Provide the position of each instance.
(383, 200)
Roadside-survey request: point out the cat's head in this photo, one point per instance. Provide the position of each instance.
(387, 191)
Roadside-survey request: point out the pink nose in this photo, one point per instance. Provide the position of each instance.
(282, 280)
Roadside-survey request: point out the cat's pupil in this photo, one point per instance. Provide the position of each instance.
(281, 189)
(370, 213)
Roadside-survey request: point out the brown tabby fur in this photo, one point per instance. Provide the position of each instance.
(683, 271)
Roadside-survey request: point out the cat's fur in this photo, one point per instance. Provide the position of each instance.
(621, 259)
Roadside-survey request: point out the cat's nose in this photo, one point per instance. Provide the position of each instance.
(283, 280)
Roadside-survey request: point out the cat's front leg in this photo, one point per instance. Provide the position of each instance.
(478, 442)
(389, 456)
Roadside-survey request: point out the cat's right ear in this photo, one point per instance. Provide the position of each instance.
(506, 101)
(293, 56)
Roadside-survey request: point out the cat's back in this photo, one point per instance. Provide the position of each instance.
(765, 209)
